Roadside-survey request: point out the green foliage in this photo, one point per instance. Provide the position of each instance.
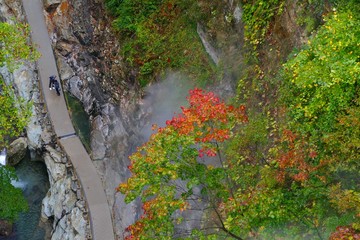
(257, 17)
(14, 114)
(13, 48)
(11, 198)
(344, 142)
(252, 139)
(14, 45)
(323, 79)
(321, 93)
(132, 13)
(160, 35)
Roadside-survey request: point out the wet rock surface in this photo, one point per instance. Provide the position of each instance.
(16, 151)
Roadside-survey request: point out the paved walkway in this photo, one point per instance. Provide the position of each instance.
(100, 217)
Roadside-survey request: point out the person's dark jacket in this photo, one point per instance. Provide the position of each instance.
(52, 81)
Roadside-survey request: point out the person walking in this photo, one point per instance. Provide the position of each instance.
(54, 84)
(51, 83)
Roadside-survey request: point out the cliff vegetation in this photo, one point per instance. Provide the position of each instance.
(14, 114)
(281, 159)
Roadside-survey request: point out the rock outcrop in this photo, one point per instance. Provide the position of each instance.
(17, 151)
(64, 202)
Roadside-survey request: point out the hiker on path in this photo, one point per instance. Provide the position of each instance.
(54, 84)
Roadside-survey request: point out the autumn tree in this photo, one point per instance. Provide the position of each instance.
(182, 164)
(188, 166)
(297, 181)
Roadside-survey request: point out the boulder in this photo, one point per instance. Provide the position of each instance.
(54, 154)
(59, 200)
(34, 130)
(98, 147)
(64, 48)
(88, 99)
(12, 8)
(23, 79)
(75, 86)
(6, 228)
(65, 70)
(61, 230)
(17, 151)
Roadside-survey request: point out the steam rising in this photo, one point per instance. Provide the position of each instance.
(163, 101)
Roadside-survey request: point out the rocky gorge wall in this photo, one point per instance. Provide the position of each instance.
(91, 69)
(63, 208)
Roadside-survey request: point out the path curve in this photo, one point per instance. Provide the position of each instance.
(100, 217)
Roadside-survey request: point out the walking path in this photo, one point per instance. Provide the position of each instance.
(100, 217)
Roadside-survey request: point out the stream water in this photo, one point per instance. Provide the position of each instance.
(80, 120)
(33, 180)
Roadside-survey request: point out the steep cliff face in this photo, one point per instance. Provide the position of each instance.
(92, 70)
(87, 52)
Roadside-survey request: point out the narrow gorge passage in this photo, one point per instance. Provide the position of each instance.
(100, 218)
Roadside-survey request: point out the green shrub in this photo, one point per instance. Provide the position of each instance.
(322, 80)
(257, 17)
(160, 35)
(11, 198)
